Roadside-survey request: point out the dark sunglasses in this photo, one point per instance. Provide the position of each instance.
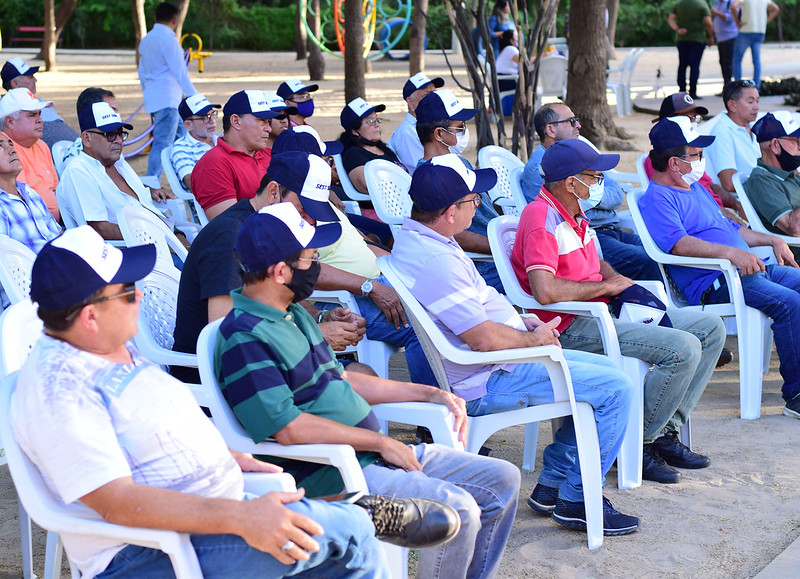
(572, 121)
(112, 136)
(128, 292)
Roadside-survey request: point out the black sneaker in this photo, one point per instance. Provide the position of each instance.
(725, 357)
(411, 523)
(573, 516)
(423, 436)
(677, 454)
(792, 407)
(543, 499)
(655, 468)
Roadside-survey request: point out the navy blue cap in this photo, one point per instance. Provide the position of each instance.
(571, 156)
(776, 125)
(293, 86)
(15, 67)
(419, 81)
(357, 109)
(276, 232)
(440, 105)
(445, 179)
(253, 102)
(308, 176)
(680, 103)
(195, 106)
(101, 116)
(675, 132)
(76, 264)
(637, 295)
(277, 104)
(305, 138)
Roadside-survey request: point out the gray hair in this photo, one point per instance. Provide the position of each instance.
(14, 115)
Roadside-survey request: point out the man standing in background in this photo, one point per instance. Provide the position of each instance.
(691, 21)
(752, 17)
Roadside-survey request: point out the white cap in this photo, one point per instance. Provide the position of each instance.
(21, 99)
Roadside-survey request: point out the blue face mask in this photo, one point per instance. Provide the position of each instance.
(306, 108)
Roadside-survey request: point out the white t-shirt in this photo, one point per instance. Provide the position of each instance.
(505, 61)
(85, 421)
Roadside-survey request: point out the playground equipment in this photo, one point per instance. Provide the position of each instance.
(195, 53)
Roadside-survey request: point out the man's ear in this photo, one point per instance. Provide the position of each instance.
(235, 121)
(279, 272)
(569, 183)
(273, 193)
(450, 214)
(775, 147)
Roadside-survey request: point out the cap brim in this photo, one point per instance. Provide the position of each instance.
(485, 179)
(333, 148)
(205, 110)
(137, 262)
(604, 162)
(702, 141)
(325, 235)
(464, 115)
(319, 210)
(309, 88)
(114, 127)
(269, 114)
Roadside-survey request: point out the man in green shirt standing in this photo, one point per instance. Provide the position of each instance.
(691, 21)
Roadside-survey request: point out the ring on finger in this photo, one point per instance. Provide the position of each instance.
(288, 547)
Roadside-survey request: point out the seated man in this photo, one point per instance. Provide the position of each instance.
(472, 314)
(232, 170)
(555, 122)
(131, 443)
(20, 119)
(298, 96)
(555, 259)
(211, 272)
(280, 123)
(282, 381)
(15, 74)
(404, 140)
(441, 125)
(200, 120)
(678, 217)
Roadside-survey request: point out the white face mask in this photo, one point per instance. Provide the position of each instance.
(462, 140)
(697, 172)
(596, 192)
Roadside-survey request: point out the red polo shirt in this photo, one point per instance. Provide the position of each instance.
(549, 238)
(227, 173)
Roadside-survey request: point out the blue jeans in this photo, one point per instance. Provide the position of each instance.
(596, 380)
(488, 272)
(776, 293)
(347, 549)
(381, 329)
(690, 54)
(684, 357)
(625, 253)
(483, 490)
(167, 127)
(753, 41)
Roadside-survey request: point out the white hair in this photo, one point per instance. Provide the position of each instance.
(14, 115)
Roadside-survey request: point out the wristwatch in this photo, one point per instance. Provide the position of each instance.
(366, 287)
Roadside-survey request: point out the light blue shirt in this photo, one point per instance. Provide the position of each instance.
(406, 144)
(735, 147)
(186, 152)
(162, 70)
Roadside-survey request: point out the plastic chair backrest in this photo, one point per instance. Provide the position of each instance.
(177, 187)
(347, 185)
(159, 306)
(644, 180)
(58, 150)
(553, 76)
(388, 187)
(16, 263)
(627, 73)
(502, 161)
(140, 226)
(20, 329)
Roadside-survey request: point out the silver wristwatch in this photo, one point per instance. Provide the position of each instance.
(366, 287)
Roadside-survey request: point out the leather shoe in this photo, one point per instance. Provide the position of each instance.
(677, 454)
(411, 523)
(654, 467)
(724, 357)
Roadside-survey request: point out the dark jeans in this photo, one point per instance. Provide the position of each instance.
(726, 59)
(689, 55)
(624, 252)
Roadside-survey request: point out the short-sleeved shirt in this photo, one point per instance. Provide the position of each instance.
(354, 157)
(754, 16)
(39, 172)
(671, 214)
(186, 152)
(406, 144)
(690, 15)
(350, 253)
(274, 365)
(225, 173)
(85, 421)
(550, 239)
(505, 60)
(735, 147)
(25, 218)
(705, 180)
(773, 192)
(724, 26)
(444, 280)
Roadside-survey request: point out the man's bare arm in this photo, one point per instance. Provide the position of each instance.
(726, 179)
(215, 210)
(331, 278)
(490, 336)
(218, 307)
(548, 289)
(790, 222)
(695, 247)
(187, 181)
(475, 242)
(106, 229)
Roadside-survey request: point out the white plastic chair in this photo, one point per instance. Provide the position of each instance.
(58, 151)
(754, 330)
(502, 233)
(388, 187)
(622, 87)
(16, 263)
(752, 216)
(644, 180)
(177, 187)
(552, 77)
(347, 185)
(507, 193)
(140, 226)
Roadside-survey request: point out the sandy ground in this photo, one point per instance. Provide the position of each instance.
(729, 520)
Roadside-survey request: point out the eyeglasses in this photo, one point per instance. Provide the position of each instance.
(205, 118)
(128, 292)
(112, 136)
(573, 121)
(279, 118)
(697, 156)
(373, 122)
(743, 83)
(600, 178)
(476, 201)
(301, 97)
(311, 259)
(456, 130)
(794, 140)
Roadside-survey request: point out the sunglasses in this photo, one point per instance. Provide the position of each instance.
(128, 292)
(573, 121)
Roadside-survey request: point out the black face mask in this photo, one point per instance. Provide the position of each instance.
(303, 281)
(368, 142)
(788, 162)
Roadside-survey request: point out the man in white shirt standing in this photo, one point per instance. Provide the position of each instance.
(165, 80)
(200, 121)
(404, 141)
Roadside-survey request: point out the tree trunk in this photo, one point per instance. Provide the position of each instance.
(50, 36)
(64, 11)
(316, 62)
(139, 25)
(300, 35)
(586, 78)
(183, 8)
(354, 72)
(416, 44)
(611, 32)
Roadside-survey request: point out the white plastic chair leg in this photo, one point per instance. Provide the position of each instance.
(397, 557)
(25, 541)
(586, 436)
(751, 360)
(529, 450)
(376, 354)
(629, 460)
(52, 557)
(686, 434)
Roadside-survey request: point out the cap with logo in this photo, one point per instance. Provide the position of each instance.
(101, 116)
(276, 232)
(440, 105)
(308, 176)
(680, 103)
(357, 109)
(419, 81)
(195, 106)
(20, 99)
(291, 87)
(249, 102)
(675, 132)
(79, 262)
(445, 179)
(277, 104)
(13, 68)
(776, 125)
(569, 157)
(304, 138)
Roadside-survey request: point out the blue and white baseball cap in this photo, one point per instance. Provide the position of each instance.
(101, 116)
(440, 105)
(291, 87)
(676, 131)
(304, 138)
(252, 102)
(195, 106)
(357, 109)
(445, 179)
(278, 105)
(419, 81)
(15, 67)
(308, 176)
(776, 125)
(571, 156)
(77, 263)
(276, 232)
